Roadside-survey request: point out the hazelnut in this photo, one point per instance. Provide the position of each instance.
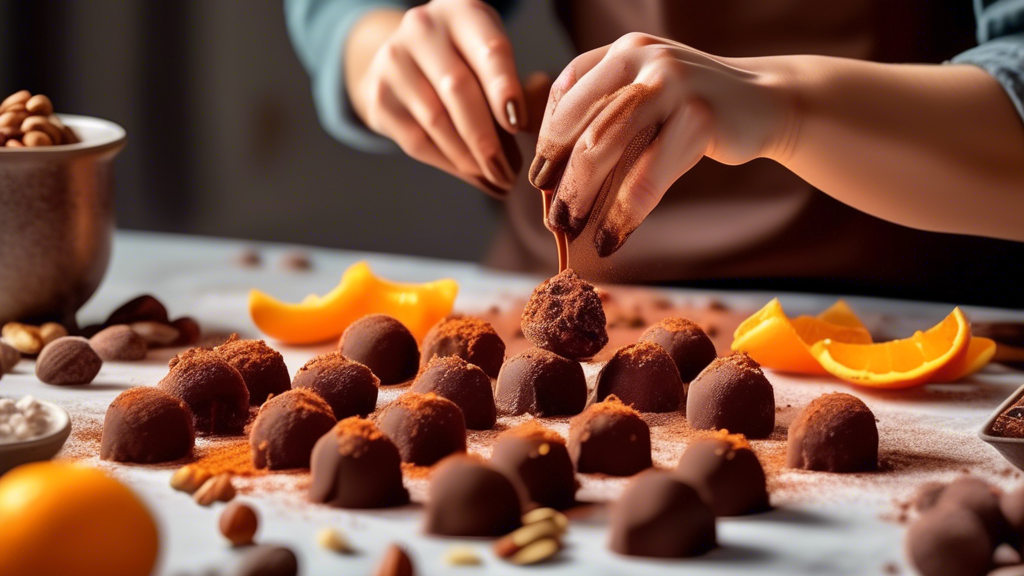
(119, 342)
(394, 563)
(189, 479)
(68, 361)
(238, 523)
(216, 489)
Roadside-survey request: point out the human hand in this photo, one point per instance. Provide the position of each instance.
(634, 116)
(442, 86)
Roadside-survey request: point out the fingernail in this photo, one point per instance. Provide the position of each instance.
(510, 111)
(607, 242)
(544, 177)
(500, 171)
(561, 219)
(491, 189)
(535, 168)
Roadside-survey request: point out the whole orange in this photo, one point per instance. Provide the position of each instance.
(59, 519)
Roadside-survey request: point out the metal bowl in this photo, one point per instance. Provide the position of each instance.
(1011, 448)
(56, 222)
(14, 454)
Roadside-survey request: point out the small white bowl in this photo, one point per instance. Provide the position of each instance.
(43, 448)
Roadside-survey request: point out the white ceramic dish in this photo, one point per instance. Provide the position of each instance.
(43, 448)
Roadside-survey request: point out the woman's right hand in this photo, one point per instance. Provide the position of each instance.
(434, 79)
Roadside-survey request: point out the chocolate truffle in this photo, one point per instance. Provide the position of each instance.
(212, 389)
(980, 497)
(355, 466)
(726, 473)
(643, 376)
(267, 561)
(467, 497)
(286, 429)
(660, 517)
(471, 339)
(537, 458)
(118, 343)
(732, 393)
(261, 367)
(610, 438)
(688, 345)
(541, 383)
(564, 315)
(146, 425)
(927, 495)
(384, 345)
(1012, 507)
(425, 427)
(949, 541)
(348, 386)
(465, 384)
(835, 433)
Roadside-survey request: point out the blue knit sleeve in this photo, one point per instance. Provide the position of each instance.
(1001, 46)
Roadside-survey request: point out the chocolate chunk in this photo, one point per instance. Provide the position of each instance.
(262, 368)
(949, 541)
(835, 433)
(286, 429)
(425, 427)
(726, 473)
(384, 345)
(471, 339)
(355, 466)
(146, 425)
(658, 516)
(690, 348)
(610, 438)
(464, 384)
(119, 343)
(348, 386)
(541, 383)
(538, 459)
(732, 393)
(643, 376)
(268, 561)
(212, 389)
(469, 498)
(564, 316)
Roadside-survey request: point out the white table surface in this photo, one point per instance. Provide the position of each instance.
(196, 276)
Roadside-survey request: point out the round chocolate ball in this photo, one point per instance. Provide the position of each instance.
(262, 368)
(118, 343)
(949, 541)
(384, 345)
(927, 495)
(726, 473)
(354, 465)
(537, 458)
(685, 341)
(732, 393)
(658, 516)
(465, 384)
(467, 497)
(564, 315)
(541, 383)
(146, 425)
(643, 376)
(1011, 505)
(471, 339)
(835, 433)
(286, 429)
(212, 389)
(348, 386)
(980, 497)
(610, 438)
(425, 427)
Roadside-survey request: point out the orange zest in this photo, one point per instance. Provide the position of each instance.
(360, 292)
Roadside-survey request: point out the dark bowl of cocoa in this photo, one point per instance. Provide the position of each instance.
(1004, 430)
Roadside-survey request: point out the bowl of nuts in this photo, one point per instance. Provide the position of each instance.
(56, 189)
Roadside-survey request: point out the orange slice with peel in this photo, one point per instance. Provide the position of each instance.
(898, 363)
(360, 292)
(979, 353)
(841, 314)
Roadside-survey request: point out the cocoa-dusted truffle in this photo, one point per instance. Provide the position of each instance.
(355, 466)
(643, 376)
(212, 389)
(610, 438)
(980, 497)
(469, 498)
(726, 473)
(262, 367)
(384, 345)
(732, 393)
(949, 541)
(118, 343)
(1011, 504)
(685, 341)
(564, 315)
(541, 383)
(835, 433)
(465, 384)
(537, 458)
(660, 517)
(146, 425)
(286, 429)
(425, 427)
(471, 339)
(348, 386)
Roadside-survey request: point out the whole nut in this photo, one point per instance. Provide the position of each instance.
(334, 540)
(541, 514)
(139, 309)
(216, 489)
(36, 138)
(189, 479)
(268, 561)
(462, 556)
(39, 104)
(19, 97)
(514, 542)
(119, 343)
(42, 124)
(9, 357)
(394, 563)
(13, 118)
(68, 361)
(238, 523)
(19, 107)
(22, 337)
(156, 334)
(14, 143)
(51, 331)
(535, 552)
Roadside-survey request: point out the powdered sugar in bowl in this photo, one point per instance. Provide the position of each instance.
(30, 430)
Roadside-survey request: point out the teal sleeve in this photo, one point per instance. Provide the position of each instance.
(1001, 46)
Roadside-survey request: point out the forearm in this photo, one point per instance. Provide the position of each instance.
(938, 148)
(367, 36)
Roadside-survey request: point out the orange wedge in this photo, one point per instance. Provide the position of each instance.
(979, 353)
(777, 342)
(840, 313)
(898, 363)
